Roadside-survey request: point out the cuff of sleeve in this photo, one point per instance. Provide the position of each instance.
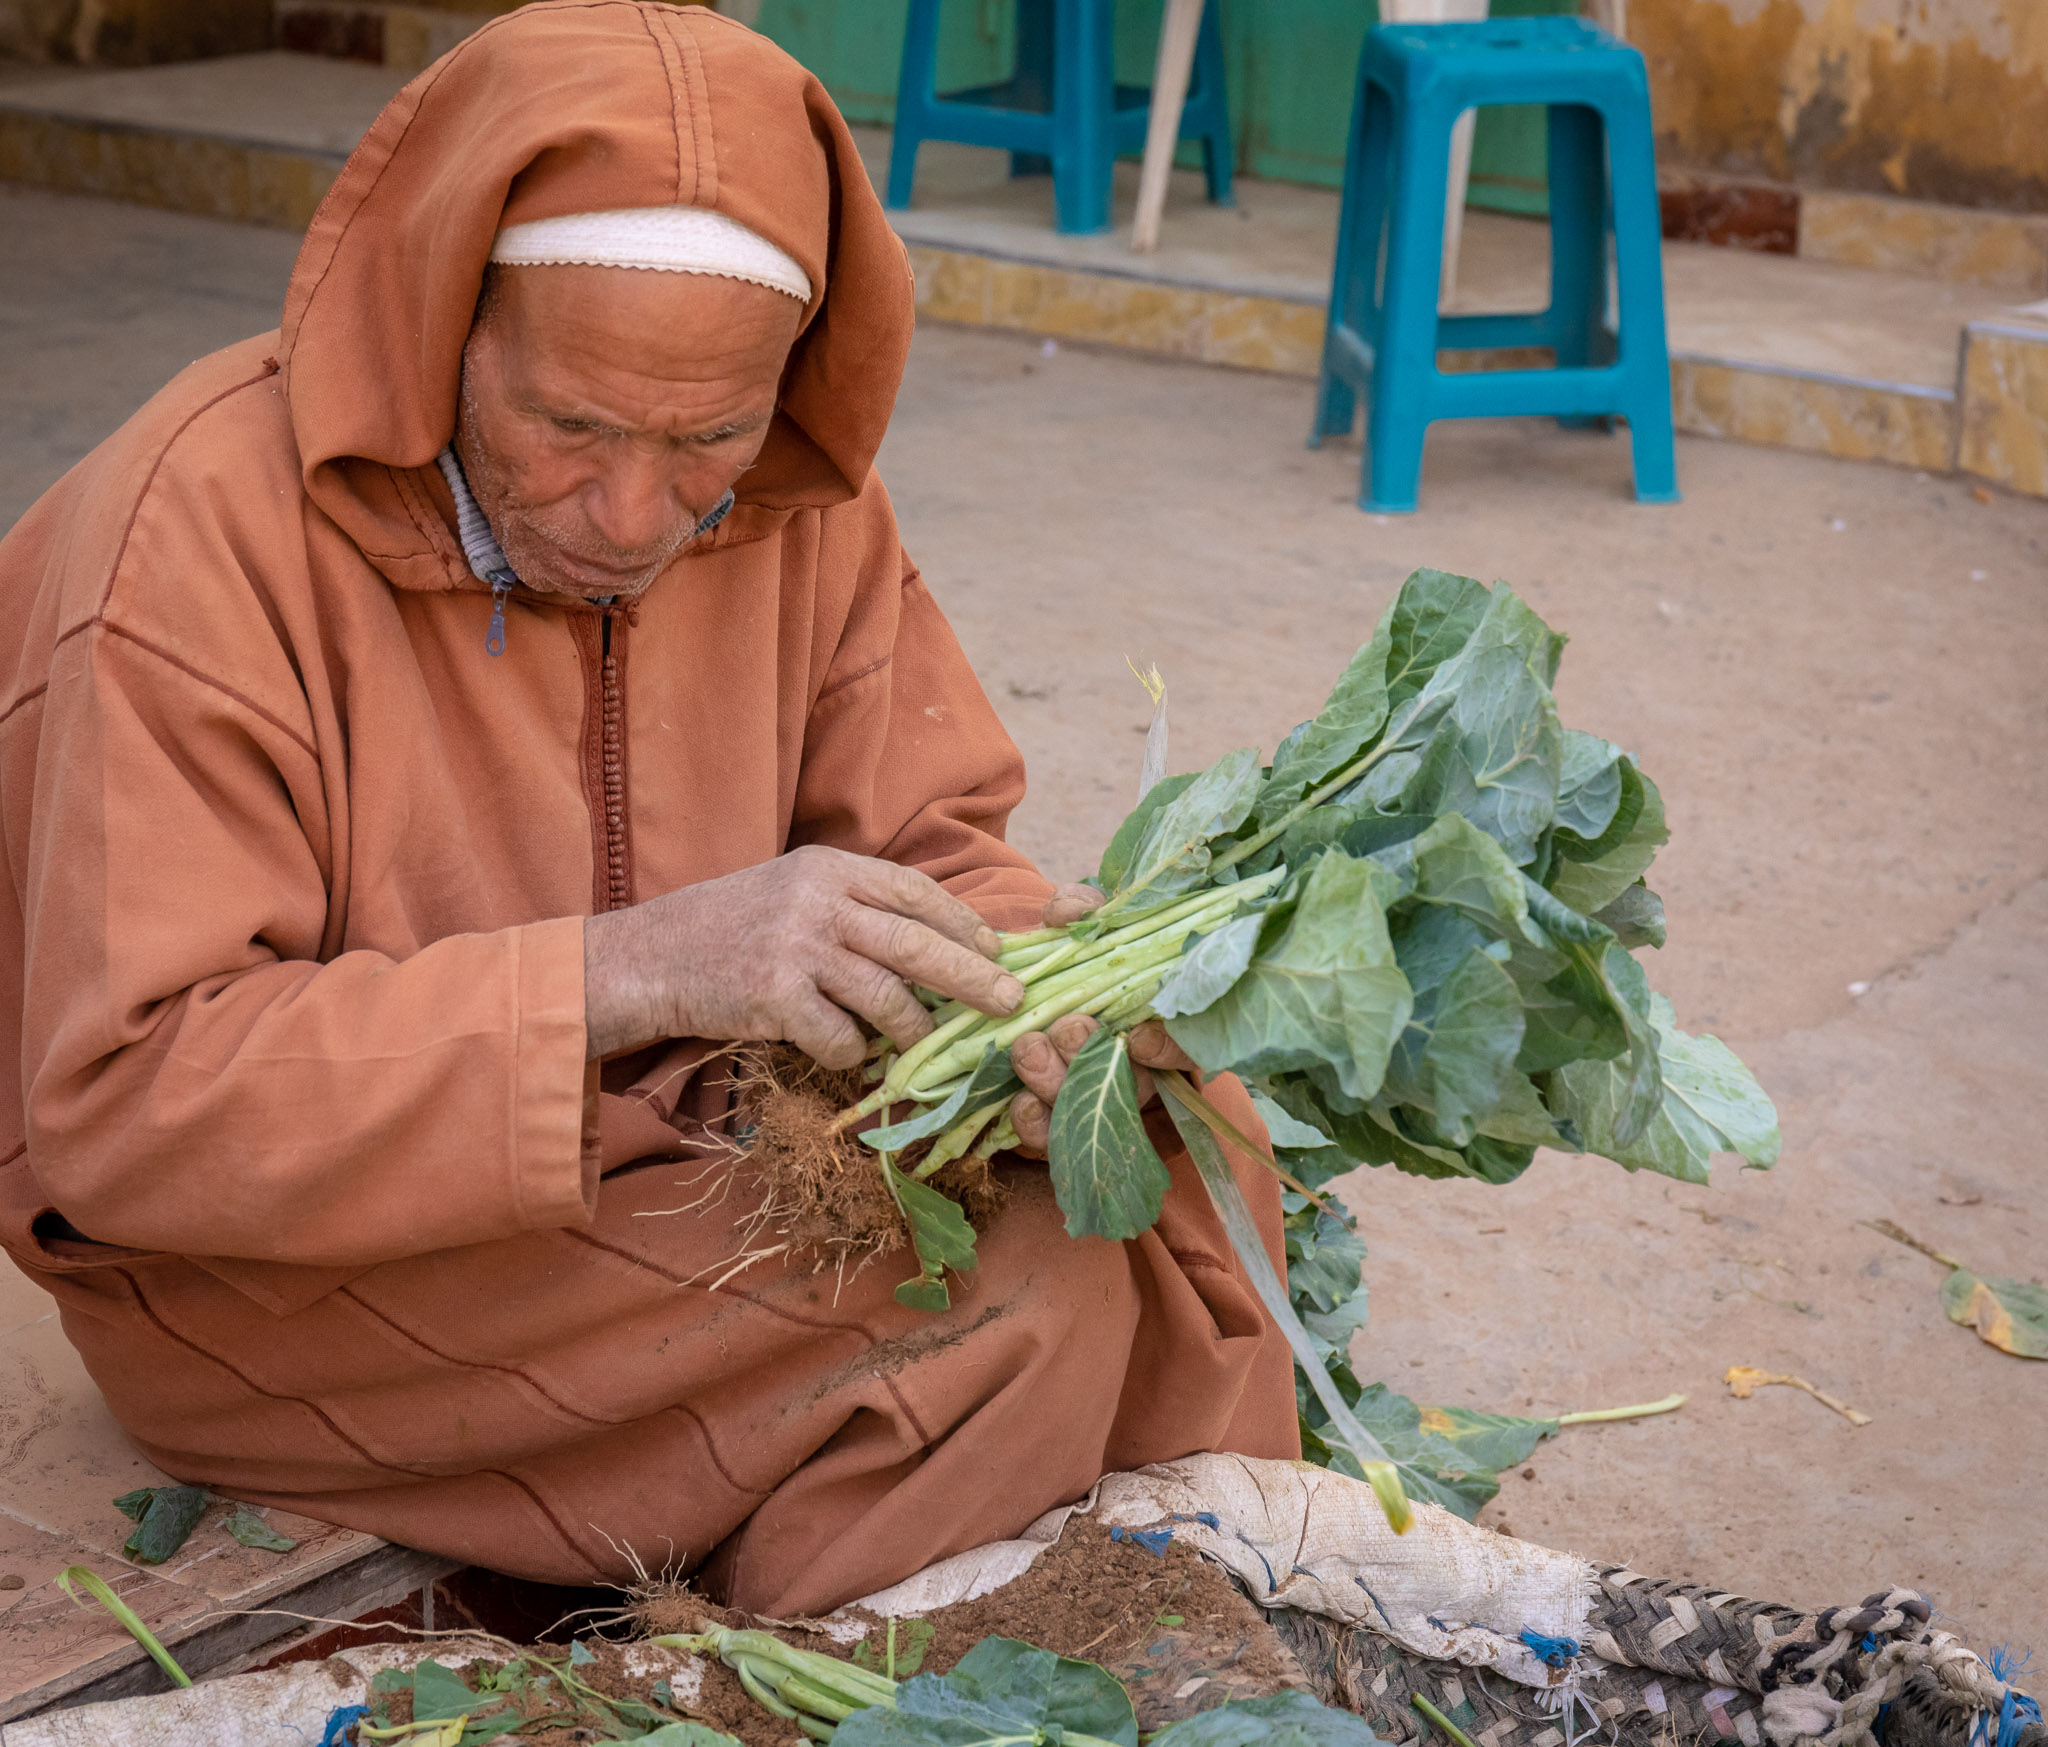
(1007, 898)
(554, 1170)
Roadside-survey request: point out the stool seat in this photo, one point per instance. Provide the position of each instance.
(1384, 328)
(1062, 109)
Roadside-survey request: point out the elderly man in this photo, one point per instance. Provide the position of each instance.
(424, 721)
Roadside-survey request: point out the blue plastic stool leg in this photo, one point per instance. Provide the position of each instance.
(1084, 111)
(1033, 78)
(1354, 291)
(1577, 319)
(1639, 261)
(1404, 364)
(916, 85)
(1217, 146)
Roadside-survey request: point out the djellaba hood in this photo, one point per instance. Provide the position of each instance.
(562, 107)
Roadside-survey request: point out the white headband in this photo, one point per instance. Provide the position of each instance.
(665, 239)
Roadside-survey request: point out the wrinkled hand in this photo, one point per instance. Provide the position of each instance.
(1041, 1058)
(793, 949)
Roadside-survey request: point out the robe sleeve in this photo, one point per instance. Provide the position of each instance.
(904, 757)
(197, 1080)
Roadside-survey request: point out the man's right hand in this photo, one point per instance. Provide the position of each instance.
(792, 949)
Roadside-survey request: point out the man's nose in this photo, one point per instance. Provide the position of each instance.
(634, 504)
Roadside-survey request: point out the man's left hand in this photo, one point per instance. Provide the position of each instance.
(1041, 1058)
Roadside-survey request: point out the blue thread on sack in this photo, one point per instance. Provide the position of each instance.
(1375, 1600)
(1207, 1518)
(341, 1722)
(1272, 1583)
(1154, 1541)
(2018, 1710)
(1552, 1652)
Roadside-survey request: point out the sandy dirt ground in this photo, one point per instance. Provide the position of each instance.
(1835, 673)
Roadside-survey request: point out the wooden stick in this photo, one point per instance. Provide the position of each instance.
(1177, 33)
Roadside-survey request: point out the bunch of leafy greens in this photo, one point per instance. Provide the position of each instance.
(1002, 1693)
(1412, 935)
(529, 1695)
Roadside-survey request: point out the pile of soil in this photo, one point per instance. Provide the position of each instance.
(1170, 1625)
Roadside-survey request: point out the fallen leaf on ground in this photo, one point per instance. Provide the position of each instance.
(252, 1531)
(1745, 1380)
(2011, 1315)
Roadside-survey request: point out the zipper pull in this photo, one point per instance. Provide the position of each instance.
(501, 586)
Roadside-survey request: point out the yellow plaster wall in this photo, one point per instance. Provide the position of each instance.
(1931, 99)
(131, 33)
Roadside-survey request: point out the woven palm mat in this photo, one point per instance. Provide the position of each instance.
(1685, 1665)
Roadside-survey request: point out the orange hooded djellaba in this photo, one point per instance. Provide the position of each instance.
(304, 1142)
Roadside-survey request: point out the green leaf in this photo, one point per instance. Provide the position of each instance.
(1001, 1691)
(1286, 1719)
(1057, 1690)
(1588, 886)
(1325, 1260)
(252, 1531)
(1458, 1050)
(1430, 620)
(924, 1292)
(1374, 1136)
(1340, 731)
(135, 1505)
(1710, 1103)
(1227, 1195)
(1495, 757)
(992, 1082)
(439, 1692)
(1453, 1456)
(1106, 1174)
(913, 1639)
(940, 1236)
(1173, 852)
(1589, 787)
(1446, 683)
(1284, 1130)
(1326, 993)
(2011, 1315)
(166, 1523)
(1457, 867)
(680, 1734)
(1209, 967)
(1521, 1117)
(1637, 917)
(1116, 859)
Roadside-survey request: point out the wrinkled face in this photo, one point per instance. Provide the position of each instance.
(607, 410)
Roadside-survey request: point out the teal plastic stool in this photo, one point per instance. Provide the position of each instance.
(1061, 110)
(1414, 81)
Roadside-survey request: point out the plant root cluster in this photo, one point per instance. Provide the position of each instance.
(822, 1192)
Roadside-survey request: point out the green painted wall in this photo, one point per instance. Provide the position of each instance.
(1293, 65)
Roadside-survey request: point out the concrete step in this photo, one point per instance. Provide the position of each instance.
(404, 38)
(1797, 352)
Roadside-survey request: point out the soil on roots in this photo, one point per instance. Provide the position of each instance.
(822, 1189)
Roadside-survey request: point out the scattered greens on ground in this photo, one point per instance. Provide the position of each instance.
(2011, 1315)
(164, 1518)
(1002, 1693)
(1412, 934)
(252, 1531)
(531, 1694)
